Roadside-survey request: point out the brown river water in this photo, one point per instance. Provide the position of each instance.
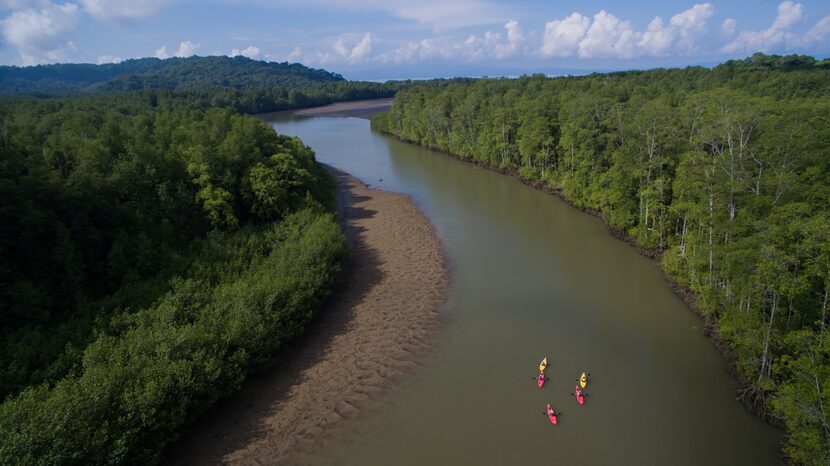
(534, 277)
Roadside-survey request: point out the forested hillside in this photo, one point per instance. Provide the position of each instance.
(250, 86)
(724, 172)
(153, 252)
(192, 73)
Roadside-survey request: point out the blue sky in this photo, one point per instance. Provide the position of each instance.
(383, 39)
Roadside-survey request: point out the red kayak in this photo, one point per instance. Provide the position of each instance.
(551, 415)
(541, 379)
(579, 397)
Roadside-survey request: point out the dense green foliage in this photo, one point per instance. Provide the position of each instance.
(200, 73)
(67, 77)
(725, 171)
(152, 253)
(247, 85)
(184, 74)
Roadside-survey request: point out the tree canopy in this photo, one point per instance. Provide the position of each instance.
(152, 253)
(723, 172)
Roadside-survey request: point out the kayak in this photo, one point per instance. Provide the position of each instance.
(579, 397)
(583, 380)
(551, 415)
(541, 379)
(543, 364)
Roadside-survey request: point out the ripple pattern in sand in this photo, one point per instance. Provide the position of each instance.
(369, 334)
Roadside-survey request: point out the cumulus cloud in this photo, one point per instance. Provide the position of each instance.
(187, 48)
(122, 9)
(657, 39)
(295, 55)
(161, 52)
(490, 45)
(346, 49)
(778, 34)
(689, 24)
(431, 49)
(607, 36)
(818, 33)
(728, 27)
(40, 34)
(515, 39)
(610, 37)
(250, 52)
(362, 49)
(562, 37)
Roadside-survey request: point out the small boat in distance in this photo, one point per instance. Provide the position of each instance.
(552, 415)
(579, 396)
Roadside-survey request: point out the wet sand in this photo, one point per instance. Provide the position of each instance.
(357, 109)
(370, 333)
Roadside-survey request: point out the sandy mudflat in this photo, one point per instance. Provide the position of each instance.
(369, 333)
(357, 109)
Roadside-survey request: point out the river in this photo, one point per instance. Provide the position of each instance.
(534, 277)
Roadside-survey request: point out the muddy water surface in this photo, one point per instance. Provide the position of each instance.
(533, 277)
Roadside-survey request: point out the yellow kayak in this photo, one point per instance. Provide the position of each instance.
(583, 380)
(543, 365)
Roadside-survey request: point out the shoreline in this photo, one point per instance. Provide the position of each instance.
(688, 296)
(351, 109)
(370, 332)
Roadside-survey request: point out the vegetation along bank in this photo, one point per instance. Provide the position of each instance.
(723, 172)
(153, 254)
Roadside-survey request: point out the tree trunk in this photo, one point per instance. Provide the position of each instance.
(765, 353)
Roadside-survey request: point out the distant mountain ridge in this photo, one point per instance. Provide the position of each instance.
(179, 74)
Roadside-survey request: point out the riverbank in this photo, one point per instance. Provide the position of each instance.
(354, 109)
(743, 391)
(369, 333)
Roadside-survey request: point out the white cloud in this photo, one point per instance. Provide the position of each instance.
(362, 49)
(562, 37)
(295, 55)
(108, 59)
(187, 48)
(161, 52)
(693, 19)
(475, 48)
(657, 39)
(689, 24)
(778, 34)
(515, 38)
(346, 49)
(819, 32)
(39, 35)
(123, 9)
(728, 27)
(488, 46)
(250, 52)
(609, 37)
(437, 48)
(789, 13)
